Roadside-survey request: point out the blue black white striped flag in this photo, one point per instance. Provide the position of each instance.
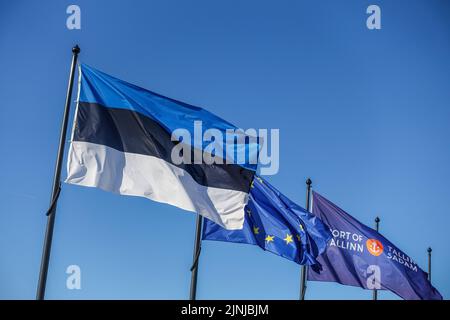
(123, 141)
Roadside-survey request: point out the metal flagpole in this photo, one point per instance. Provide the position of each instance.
(377, 227)
(56, 183)
(197, 249)
(304, 267)
(429, 263)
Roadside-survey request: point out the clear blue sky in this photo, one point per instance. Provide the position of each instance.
(364, 113)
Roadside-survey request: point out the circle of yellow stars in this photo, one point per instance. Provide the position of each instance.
(270, 238)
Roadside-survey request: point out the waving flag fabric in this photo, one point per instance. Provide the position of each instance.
(277, 225)
(122, 142)
(360, 256)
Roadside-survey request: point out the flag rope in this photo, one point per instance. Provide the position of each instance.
(197, 256)
(52, 207)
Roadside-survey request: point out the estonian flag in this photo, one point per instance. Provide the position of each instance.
(122, 142)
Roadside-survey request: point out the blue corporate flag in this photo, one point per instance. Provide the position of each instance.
(276, 224)
(360, 256)
(132, 141)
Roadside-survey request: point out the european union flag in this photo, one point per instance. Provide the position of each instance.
(276, 224)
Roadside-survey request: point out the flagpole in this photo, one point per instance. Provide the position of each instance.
(429, 263)
(196, 256)
(377, 227)
(56, 183)
(304, 269)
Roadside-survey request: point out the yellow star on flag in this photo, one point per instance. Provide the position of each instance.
(288, 239)
(269, 239)
(301, 227)
(255, 230)
(298, 238)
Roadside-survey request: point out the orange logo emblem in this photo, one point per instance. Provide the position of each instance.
(374, 246)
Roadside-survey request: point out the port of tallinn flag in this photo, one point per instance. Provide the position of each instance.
(122, 142)
(360, 256)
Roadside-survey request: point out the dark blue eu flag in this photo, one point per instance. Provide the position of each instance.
(276, 224)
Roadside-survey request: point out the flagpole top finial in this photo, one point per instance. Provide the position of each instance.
(377, 219)
(76, 49)
(308, 181)
(429, 249)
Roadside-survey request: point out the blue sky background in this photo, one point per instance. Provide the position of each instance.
(364, 113)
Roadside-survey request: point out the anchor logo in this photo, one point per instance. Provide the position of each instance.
(374, 246)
